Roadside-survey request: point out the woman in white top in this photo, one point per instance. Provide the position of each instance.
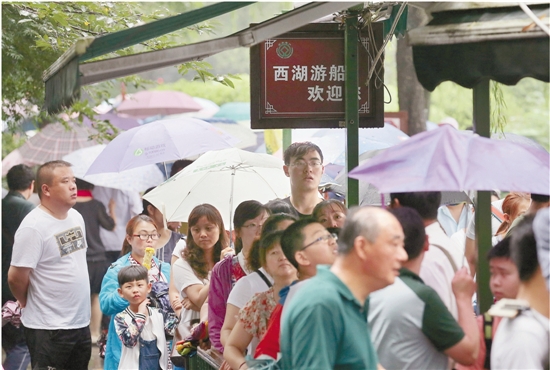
(191, 273)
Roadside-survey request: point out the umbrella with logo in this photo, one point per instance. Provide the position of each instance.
(158, 102)
(50, 143)
(223, 178)
(136, 179)
(159, 141)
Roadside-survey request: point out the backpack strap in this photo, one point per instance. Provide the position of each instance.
(264, 278)
(448, 255)
(488, 337)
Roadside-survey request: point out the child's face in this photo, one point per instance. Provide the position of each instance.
(504, 280)
(135, 291)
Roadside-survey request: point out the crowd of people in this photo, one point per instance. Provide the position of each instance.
(302, 283)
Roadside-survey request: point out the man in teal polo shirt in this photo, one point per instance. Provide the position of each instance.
(410, 325)
(325, 325)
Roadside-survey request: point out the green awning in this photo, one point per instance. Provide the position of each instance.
(468, 45)
(62, 79)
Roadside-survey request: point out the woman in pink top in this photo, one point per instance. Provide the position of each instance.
(248, 220)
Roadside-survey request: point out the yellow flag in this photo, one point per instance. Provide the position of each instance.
(273, 140)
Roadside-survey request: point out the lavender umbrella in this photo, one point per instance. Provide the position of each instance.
(448, 159)
(123, 123)
(160, 141)
(164, 102)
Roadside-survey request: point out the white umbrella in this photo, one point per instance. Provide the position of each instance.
(223, 178)
(135, 179)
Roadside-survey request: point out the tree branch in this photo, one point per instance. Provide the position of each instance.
(83, 30)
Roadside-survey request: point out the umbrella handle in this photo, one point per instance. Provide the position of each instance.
(233, 170)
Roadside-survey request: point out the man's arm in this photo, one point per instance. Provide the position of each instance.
(466, 351)
(18, 280)
(470, 253)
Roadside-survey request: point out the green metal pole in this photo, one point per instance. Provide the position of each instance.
(351, 103)
(482, 120)
(287, 138)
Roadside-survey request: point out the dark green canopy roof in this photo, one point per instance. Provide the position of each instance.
(466, 46)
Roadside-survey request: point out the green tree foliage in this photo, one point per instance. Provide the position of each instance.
(35, 34)
(525, 109)
(216, 92)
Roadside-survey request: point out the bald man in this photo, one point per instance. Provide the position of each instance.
(329, 312)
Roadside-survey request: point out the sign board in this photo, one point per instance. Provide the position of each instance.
(297, 79)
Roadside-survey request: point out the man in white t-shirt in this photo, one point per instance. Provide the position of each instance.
(444, 256)
(49, 275)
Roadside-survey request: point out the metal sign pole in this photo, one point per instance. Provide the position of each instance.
(351, 102)
(482, 119)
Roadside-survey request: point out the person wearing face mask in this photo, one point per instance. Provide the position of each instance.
(330, 213)
(141, 233)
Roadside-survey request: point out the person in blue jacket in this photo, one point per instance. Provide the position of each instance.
(141, 233)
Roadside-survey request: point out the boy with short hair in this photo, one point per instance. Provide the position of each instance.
(522, 338)
(504, 283)
(141, 324)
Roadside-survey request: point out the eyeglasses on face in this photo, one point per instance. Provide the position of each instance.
(147, 236)
(301, 164)
(322, 238)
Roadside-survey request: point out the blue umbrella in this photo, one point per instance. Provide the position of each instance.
(237, 111)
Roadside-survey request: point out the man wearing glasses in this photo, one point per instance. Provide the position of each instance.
(304, 166)
(325, 324)
(306, 244)
(49, 275)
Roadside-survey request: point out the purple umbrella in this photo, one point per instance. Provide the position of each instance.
(164, 102)
(160, 141)
(123, 123)
(448, 159)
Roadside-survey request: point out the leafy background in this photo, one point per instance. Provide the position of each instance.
(35, 35)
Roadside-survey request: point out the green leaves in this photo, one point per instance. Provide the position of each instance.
(35, 34)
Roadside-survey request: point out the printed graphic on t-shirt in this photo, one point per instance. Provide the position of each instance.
(70, 241)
